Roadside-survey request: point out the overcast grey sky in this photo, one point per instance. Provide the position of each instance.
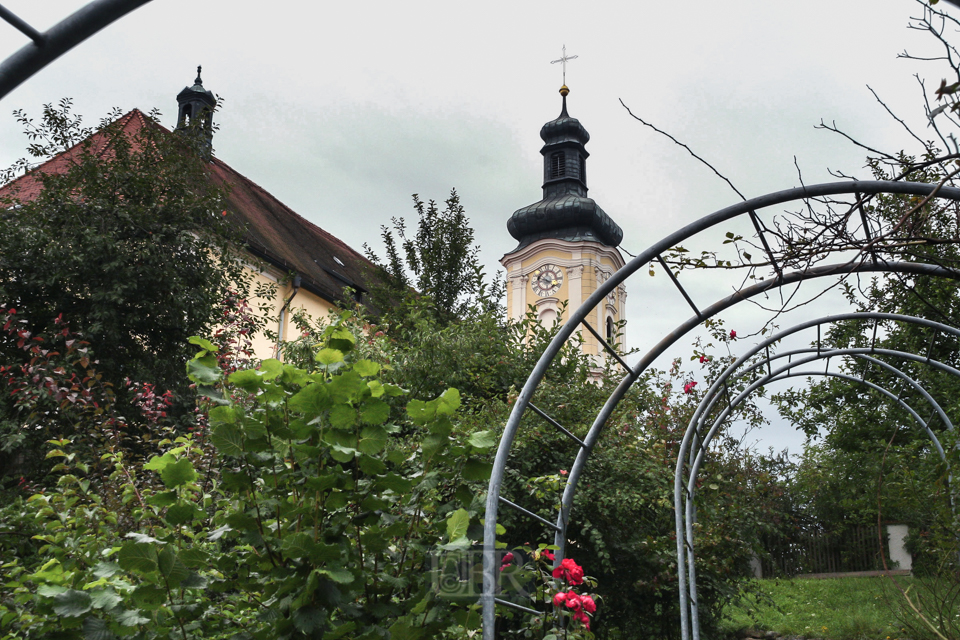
(343, 110)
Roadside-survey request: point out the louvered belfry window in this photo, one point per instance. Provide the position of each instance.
(558, 164)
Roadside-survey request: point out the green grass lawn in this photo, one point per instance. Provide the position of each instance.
(833, 609)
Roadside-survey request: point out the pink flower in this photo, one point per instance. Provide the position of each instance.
(546, 553)
(573, 601)
(703, 358)
(569, 571)
(733, 335)
(563, 472)
(688, 388)
(559, 598)
(588, 604)
(582, 617)
(507, 558)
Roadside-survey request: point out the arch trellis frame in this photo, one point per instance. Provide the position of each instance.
(695, 442)
(866, 262)
(46, 47)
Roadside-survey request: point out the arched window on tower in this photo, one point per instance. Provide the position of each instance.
(583, 170)
(610, 330)
(558, 164)
(186, 115)
(548, 317)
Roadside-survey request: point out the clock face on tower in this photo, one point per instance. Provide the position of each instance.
(547, 280)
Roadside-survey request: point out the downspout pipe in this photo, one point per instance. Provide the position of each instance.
(286, 305)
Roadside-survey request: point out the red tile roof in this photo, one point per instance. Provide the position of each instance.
(273, 232)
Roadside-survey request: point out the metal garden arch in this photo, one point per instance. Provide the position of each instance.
(862, 236)
(695, 442)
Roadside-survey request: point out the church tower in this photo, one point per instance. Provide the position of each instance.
(567, 243)
(195, 111)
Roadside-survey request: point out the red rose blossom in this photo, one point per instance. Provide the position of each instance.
(588, 604)
(569, 571)
(733, 334)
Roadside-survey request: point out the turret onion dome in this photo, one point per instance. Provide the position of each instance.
(565, 212)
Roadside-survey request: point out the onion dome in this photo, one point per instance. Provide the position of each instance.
(565, 212)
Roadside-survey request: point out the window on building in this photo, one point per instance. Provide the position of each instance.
(610, 333)
(583, 170)
(558, 164)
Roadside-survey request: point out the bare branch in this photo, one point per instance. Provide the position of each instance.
(689, 150)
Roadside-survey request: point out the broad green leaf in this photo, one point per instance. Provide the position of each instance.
(448, 402)
(343, 416)
(223, 414)
(322, 483)
(105, 598)
(106, 569)
(72, 603)
(393, 390)
(403, 629)
(136, 536)
(432, 444)
(162, 499)
(342, 576)
(96, 629)
(457, 524)
(204, 370)
(149, 596)
(462, 542)
(171, 567)
(182, 513)
(235, 481)
(158, 463)
(271, 369)
(137, 557)
(342, 454)
(420, 412)
(341, 338)
(477, 470)
(130, 618)
(395, 483)
(372, 440)
(194, 557)
(482, 440)
(50, 590)
(340, 631)
(193, 581)
(329, 356)
(297, 545)
(249, 380)
(307, 619)
(179, 473)
(323, 553)
(374, 411)
(311, 401)
(371, 466)
(366, 368)
(376, 388)
(228, 439)
(203, 343)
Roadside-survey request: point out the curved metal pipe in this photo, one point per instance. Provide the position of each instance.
(718, 217)
(46, 47)
(711, 396)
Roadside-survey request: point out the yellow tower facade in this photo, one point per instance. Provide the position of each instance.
(567, 243)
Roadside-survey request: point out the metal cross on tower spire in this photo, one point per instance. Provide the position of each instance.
(563, 59)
